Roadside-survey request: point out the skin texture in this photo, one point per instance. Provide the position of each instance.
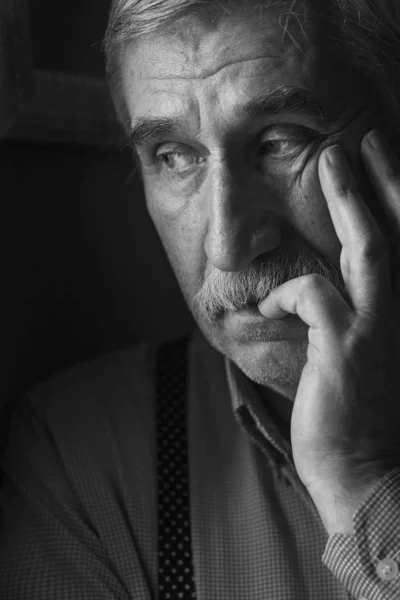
(346, 414)
(237, 205)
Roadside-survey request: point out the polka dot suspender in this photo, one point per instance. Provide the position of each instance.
(175, 567)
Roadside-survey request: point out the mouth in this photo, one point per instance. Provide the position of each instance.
(250, 309)
(248, 324)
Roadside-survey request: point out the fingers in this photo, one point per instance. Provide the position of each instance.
(364, 258)
(383, 169)
(314, 299)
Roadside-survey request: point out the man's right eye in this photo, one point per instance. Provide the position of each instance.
(176, 161)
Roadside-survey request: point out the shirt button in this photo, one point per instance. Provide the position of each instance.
(387, 569)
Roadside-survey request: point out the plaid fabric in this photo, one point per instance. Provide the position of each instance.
(368, 563)
(79, 500)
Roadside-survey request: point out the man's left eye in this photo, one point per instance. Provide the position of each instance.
(279, 147)
(288, 144)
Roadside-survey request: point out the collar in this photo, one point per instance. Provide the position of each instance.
(251, 411)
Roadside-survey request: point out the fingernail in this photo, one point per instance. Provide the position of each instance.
(341, 170)
(377, 141)
(336, 158)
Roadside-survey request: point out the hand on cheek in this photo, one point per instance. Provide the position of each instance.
(343, 439)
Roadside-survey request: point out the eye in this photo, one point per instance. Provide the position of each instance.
(276, 147)
(286, 142)
(178, 162)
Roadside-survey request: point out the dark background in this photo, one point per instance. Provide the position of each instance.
(83, 270)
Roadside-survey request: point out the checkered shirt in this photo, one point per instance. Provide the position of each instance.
(79, 502)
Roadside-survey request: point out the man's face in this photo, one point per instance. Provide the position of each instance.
(228, 187)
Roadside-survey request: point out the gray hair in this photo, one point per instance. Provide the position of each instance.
(363, 33)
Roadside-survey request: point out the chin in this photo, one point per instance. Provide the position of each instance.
(275, 365)
(270, 358)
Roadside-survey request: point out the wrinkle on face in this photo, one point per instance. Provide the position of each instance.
(195, 49)
(207, 100)
(202, 77)
(197, 59)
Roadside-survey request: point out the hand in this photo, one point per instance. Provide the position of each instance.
(345, 427)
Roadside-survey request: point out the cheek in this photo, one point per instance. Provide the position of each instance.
(310, 214)
(182, 242)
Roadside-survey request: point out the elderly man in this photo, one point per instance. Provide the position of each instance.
(260, 459)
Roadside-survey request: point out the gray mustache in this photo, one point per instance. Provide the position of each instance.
(229, 291)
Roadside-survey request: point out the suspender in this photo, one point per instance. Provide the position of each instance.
(175, 566)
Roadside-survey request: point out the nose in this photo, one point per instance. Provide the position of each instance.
(242, 223)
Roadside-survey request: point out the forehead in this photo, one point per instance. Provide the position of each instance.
(195, 49)
(195, 67)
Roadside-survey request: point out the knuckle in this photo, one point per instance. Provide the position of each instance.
(394, 176)
(375, 250)
(393, 183)
(345, 189)
(316, 282)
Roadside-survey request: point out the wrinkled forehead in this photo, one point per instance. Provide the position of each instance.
(195, 50)
(192, 57)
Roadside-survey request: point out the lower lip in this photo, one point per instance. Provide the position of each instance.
(250, 325)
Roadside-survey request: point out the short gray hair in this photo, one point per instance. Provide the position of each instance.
(363, 33)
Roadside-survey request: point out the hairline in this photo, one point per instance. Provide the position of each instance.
(362, 38)
(216, 12)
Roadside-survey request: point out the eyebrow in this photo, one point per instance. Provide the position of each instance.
(145, 130)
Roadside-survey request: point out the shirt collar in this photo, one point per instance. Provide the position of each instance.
(251, 410)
